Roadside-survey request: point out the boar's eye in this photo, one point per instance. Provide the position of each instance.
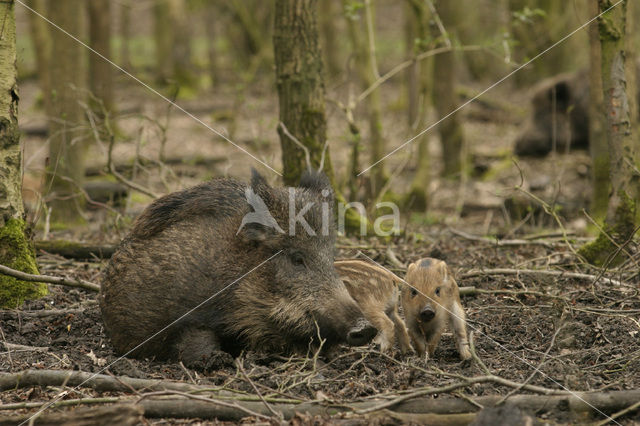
(414, 292)
(438, 291)
(297, 259)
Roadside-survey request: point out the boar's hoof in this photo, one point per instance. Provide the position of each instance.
(427, 314)
(361, 334)
(217, 360)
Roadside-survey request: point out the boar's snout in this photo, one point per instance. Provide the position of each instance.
(361, 334)
(427, 314)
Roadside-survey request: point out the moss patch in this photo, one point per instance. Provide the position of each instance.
(621, 229)
(17, 253)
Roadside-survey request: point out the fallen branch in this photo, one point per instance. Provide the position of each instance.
(76, 250)
(118, 414)
(417, 403)
(43, 313)
(566, 274)
(49, 279)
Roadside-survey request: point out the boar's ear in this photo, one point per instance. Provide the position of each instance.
(259, 234)
(315, 181)
(260, 186)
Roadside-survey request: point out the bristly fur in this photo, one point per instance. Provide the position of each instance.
(186, 247)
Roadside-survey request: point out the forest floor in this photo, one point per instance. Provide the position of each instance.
(578, 333)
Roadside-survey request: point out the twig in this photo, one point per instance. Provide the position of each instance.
(620, 413)
(49, 279)
(246, 377)
(472, 349)
(537, 369)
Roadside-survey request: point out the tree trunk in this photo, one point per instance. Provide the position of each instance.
(299, 80)
(16, 251)
(67, 145)
(598, 146)
(41, 40)
(181, 43)
(330, 45)
(365, 70)
(163, 38)
(125, 33)
(418, 197)
(212, 18)
(622, 211)
(444, 99)
(100, 71)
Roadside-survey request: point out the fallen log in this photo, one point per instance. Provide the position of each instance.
(574, 404)
(118, 414)
(76, 250)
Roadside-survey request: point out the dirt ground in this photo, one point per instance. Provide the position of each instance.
(581, 335)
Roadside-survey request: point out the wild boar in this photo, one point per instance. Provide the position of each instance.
(377, 292)
(430, 299)
(212, 268)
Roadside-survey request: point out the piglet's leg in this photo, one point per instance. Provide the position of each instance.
(433, 331)
(384, 325)
(417, 338)
(401, 331)
(459, 326)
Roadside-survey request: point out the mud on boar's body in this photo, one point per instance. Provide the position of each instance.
(430, 301)
(377, 292)
(193, 246)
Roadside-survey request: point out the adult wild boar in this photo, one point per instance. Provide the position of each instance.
(560, 113)
(223, 266)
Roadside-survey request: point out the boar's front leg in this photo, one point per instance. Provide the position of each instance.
(199, 348)
(459, 326)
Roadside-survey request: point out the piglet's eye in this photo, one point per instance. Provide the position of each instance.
(414, 292)
(438, 291)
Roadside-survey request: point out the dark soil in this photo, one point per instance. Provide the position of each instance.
(598, 346)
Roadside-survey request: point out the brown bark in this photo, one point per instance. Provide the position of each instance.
(16, 250)
(67, 146)
(445, 100)
(598, 147)
(100, 71)
(300, 84)
(41, 40)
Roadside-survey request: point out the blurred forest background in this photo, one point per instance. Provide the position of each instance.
(513, 132)
(486, 110)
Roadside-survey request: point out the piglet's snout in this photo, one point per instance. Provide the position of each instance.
(427, 313)
(361, 334)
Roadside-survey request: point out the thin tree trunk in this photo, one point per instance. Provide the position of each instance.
(41, 40)
(444, 99)
(365, 70)
(418, 196)
(622, 211)
(67, 146)
(212, 17)
(125, 33)
(412, 18)
(100, 71)
(16, 251)
(330, 45)
(181, 43)
(163, 38)
(299, 80)
(598, 146)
